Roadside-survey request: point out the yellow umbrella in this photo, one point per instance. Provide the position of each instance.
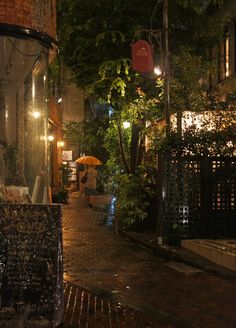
(89, 160)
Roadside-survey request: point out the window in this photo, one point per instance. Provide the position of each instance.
(223, 59)
(23, 116)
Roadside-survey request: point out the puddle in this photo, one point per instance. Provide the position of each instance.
(183, 268)
(109, 219)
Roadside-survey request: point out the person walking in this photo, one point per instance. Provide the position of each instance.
(90, 184)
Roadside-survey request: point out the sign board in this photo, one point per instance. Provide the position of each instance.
(67, 155)
(31, 272)
(142, 56)
(73, 171)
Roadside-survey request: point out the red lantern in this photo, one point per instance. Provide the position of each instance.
(142, 56)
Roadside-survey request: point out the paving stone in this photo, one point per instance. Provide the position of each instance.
(110, 268)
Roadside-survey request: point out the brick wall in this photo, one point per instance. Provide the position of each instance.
(39, 15)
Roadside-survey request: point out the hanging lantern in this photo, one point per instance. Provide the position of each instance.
(142, 56)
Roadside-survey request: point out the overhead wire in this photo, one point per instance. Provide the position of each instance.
(153, 13)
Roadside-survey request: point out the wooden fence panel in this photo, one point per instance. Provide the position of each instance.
(197, 196)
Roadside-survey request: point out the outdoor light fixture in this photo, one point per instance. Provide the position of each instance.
(157, 71)
(60, 144)
(126, 125)
(36, 114)
(50, 138)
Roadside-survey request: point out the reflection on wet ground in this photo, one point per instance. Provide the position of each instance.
(109, 218)
(98, 260)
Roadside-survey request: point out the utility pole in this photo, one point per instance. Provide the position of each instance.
(166, 66)
(165, 63)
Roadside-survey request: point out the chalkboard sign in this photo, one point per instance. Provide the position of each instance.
(31, 273)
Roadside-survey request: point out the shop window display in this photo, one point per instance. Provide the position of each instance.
(23, 121)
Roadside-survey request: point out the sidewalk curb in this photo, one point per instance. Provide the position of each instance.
(184, 256)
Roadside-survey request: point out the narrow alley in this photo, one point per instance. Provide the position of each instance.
(112, 282)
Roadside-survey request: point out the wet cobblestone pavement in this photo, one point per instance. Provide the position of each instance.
(112, 282)
(84, 309)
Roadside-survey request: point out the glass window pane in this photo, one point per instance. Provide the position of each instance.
(24, 116)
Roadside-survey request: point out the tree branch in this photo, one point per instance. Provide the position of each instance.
(122, 148)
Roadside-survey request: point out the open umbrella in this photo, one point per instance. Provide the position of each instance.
(89, 160)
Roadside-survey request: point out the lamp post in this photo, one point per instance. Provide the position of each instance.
(142, 57)
(164, 48)
(166, 66)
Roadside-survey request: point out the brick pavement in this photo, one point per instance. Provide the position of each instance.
(84, 309)
(129, 279)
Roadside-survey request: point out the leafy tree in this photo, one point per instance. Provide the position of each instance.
(88, 136)
(96, 39)
(95, 42)
(212, 133)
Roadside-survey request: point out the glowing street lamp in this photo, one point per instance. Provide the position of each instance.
(50, 138)
(126, 125)
(36, 114)
(142, 59)
(157, 70)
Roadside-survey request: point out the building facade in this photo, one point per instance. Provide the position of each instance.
(197, 192)
(222, 79)
(27, 46)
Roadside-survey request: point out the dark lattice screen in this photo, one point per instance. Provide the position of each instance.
(224, 184)
(198, 196)
(222, 219)
(180, 194)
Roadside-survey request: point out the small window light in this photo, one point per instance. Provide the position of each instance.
(60, 144)
(59, 100)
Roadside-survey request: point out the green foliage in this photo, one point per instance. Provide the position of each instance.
(131, 200)
(134, 193)
(95, 42)
(215, 136)
(188, 89)
(135, 190)
(74, 131)
(88, 135)
(111, 144)
(125, 145)
(64, 176)
(55, 69)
